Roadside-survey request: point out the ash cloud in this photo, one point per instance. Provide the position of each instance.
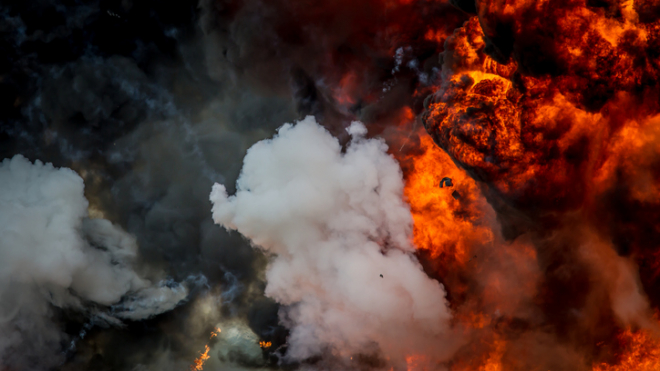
(338, 231)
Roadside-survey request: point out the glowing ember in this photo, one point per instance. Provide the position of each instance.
(414, 363)
(265, 344)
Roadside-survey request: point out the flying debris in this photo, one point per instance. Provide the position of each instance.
(446, 182)
(456, 195)
(381, 276)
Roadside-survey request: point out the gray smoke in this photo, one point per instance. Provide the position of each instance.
(53, 257)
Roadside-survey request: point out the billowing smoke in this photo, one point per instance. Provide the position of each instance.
(54, 258)
(334, 221)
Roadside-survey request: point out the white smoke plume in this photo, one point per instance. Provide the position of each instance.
(340, 237)
(53, 258)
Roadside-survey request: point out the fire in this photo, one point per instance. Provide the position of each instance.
(642, 353)
(414, 363)
(438, 36)
(444, 218)
(562, 145)
(552, 109)
(265, 344)
(492, 361)
(198, 364)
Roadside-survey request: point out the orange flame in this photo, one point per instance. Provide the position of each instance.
(215, 333)
(198, 364)
(444, 217)
(642, 353)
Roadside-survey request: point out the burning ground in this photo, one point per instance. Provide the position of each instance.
(477, 189)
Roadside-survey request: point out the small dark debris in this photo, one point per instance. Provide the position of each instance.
(456, 195)
(446, 182)
(381, 276)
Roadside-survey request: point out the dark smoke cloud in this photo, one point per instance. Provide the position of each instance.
(121, 93)
(151, 103)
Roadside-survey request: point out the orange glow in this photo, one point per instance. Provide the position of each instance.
(415, 363)
(642, 353)
(265, 344)
(494, 359)
(444, 218)
(438, 36)
(346, 91)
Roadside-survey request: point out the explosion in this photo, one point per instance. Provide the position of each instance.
(559, 131)
(462, 185)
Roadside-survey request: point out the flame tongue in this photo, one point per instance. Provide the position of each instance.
(198, 364)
